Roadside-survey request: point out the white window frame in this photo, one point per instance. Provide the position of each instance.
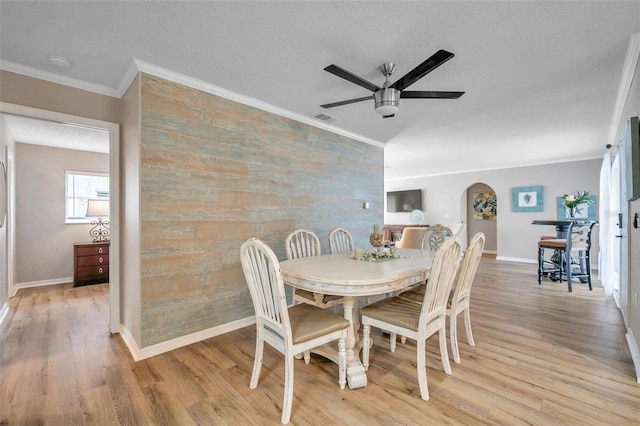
(69, 218)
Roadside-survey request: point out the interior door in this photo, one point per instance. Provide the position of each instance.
(615, 203)
(623, 221)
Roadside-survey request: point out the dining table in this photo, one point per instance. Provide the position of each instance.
(341, 274)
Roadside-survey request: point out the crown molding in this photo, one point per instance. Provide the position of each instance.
(127, 78)
(59, 79)
(245, 100)
(628, 71)
(137, 65)
(489, 169)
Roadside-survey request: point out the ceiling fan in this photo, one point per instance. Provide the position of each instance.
(386, 97)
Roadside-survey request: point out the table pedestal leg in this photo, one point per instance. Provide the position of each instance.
(356, 376)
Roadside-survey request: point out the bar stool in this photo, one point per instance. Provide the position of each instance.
(551, 268)
(572, 256)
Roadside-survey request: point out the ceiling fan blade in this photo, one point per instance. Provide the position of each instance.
(388, 116)
(437, 59)
(419, 94)
(350, 101)
(341, 72)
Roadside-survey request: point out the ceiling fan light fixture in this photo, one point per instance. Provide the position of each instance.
(387, 109)
(386, 101)
(386, 97)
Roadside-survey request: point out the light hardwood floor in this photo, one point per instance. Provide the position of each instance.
(543, 356)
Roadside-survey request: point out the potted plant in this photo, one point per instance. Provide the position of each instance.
(575, 202)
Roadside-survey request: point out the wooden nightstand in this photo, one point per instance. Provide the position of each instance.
(90, 263)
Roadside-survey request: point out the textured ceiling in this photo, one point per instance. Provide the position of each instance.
(59, 135)
(541, 78)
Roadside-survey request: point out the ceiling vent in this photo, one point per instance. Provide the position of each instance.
(325, 117)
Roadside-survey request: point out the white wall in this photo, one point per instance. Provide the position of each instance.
(5, 141)
(44, 243)
(444, 201)
(131, 298)
(631, 299)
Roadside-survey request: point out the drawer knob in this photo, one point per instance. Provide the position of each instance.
(100, 270)
(100, 260)
(100, 250)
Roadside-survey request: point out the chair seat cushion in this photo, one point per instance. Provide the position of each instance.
(309, 322)
(553, 243)
(309, 295)
(417, 295)
(396, 311)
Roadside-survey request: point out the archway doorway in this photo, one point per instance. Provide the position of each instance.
(482, 216)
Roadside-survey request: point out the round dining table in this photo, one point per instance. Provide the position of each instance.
(562, 226)
(342, 275)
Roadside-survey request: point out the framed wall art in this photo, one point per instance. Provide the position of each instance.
(527, 199)
(485, 206)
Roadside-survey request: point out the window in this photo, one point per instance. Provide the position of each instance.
(79, 187)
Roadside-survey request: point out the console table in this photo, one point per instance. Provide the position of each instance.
(90, 263)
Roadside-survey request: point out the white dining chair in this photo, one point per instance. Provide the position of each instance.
(289, 330)
(304, 243)
(435, 237)
(340, 241)
(460, 293)
(432, 239)
(418, 321)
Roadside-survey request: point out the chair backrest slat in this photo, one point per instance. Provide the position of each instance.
(262, 273)
(340, 241)
(468, 268)
(443, 273)
(434, 238)
(302, 243)
(580, 235)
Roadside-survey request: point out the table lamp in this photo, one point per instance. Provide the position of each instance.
(98, 208)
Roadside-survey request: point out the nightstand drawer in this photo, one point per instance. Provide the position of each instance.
(99, 260)
(88, 274)
(92, 250)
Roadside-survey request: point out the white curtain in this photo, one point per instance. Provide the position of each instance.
(608, 212)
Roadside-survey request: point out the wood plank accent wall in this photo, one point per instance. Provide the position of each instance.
(215, 172)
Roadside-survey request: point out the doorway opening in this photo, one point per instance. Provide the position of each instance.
(113, 130)
(482, 216)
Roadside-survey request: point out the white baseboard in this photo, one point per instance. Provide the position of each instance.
(534, 261)
(517, 259)
(3, 312)
(139, 354)
(635, 353)
(41, 283)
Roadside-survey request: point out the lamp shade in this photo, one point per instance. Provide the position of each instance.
(97, 208)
